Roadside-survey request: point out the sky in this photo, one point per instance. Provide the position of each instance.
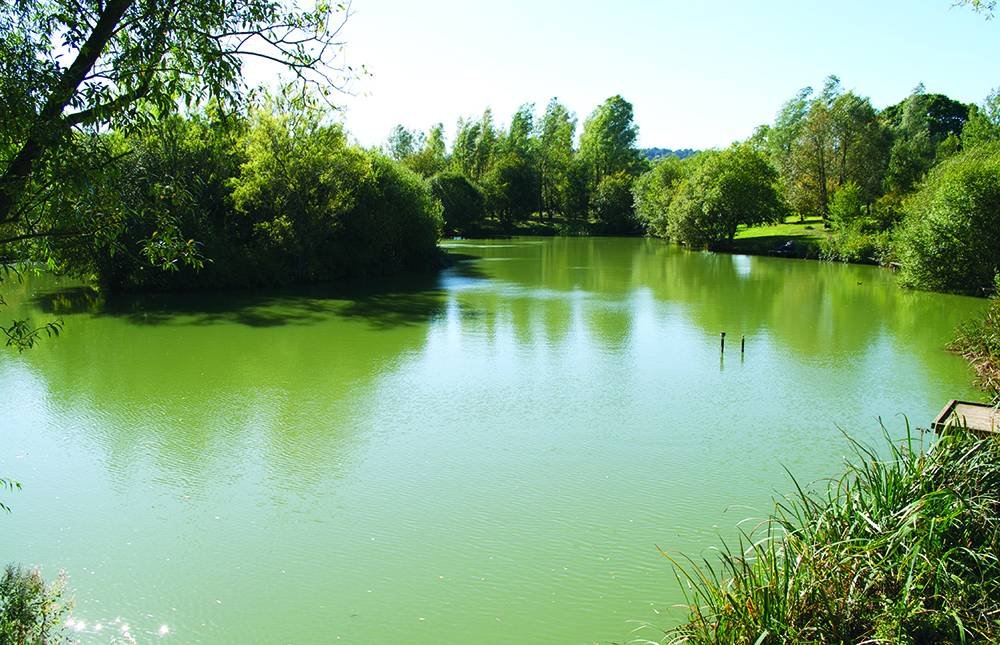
(699, 74)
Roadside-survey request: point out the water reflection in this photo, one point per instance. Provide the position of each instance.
(495, 449)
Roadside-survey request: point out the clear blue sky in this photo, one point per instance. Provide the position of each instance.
(700, 74)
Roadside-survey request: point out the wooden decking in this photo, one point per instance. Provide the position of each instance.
(977, 417)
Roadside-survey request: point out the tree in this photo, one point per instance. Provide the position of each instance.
(862, 146)
(655, 189)
(402, 143)
(69, 67)
(732, 187)
(463, 202)
(950, 237)
(67, 64)
(779, 139)
(485, 144)
(431, 158)
(986, 7)
(520, 138)
(555, 157)
(838, 140)
(919, 124)
(612, 205)
(512, 181)
(463, 152)
(608, 142)
(983, 125)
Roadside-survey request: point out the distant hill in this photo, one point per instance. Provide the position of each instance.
(658, 153)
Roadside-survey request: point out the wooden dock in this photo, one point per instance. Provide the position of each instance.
(980, 418)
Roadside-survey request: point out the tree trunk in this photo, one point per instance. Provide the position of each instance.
(49, 127)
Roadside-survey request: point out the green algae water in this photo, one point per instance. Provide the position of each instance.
(492, 454)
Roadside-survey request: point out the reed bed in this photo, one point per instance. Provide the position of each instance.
(900, 549)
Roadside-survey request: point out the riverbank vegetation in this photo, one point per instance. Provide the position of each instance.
(979, 342)
(900, 549)
(279, 197)
(31, 610)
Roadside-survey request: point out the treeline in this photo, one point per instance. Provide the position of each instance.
(276, 194)
(915, 185)
(498, 179)
(272, 196)
(883, 182)
(659, 153)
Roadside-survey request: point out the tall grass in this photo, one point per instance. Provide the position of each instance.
(902, 549)
(979, 342)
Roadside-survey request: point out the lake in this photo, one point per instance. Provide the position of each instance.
(492, 454)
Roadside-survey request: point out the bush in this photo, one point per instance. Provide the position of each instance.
(30, 611)
(950, 237)
(847, 206)
(854, 244)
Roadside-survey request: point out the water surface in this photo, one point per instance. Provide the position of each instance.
(488, 455)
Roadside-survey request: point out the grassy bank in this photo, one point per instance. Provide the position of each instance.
(792, 238)
(901, 549)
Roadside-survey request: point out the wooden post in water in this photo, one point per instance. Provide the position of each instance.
(743, 344)
(722, 342)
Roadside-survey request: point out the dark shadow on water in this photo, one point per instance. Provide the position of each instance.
(383, 303)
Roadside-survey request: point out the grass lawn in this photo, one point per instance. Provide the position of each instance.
(772, 239)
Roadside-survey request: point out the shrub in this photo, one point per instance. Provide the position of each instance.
(31, 611)
(950, 237)
(854, 244)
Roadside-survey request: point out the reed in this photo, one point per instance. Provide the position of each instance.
(979, 342)
(899, 549)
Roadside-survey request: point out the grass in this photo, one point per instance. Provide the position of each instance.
(792, 238)
(901, 549)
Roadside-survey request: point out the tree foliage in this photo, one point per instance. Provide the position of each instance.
(464, 205)
(950, 238)
(735, 186)
(100, 63)
(608, 141)
(31, 610)
(983, 125)
(654, 190)
(280, 197)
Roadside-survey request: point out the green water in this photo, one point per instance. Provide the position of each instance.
(488, 455)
